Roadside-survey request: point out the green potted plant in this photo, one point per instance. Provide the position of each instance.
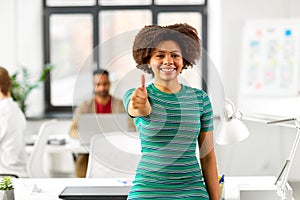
(6, 189)
(21, 87)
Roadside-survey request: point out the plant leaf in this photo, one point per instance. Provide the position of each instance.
(22, 87)
(6, 183)
(45, 72)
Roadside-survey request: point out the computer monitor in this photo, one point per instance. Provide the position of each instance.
(91, 124)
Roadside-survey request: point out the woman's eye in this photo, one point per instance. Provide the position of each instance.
(160, 55)
(175, 56)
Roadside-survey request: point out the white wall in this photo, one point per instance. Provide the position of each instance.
(265, 151)
(30, 48)
(234, 13)
(21, 43)
(8, 35)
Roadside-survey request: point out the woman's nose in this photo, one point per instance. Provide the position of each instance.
(168, 60)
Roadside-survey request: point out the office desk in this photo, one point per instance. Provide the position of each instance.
(58, 159)
(233, 185)
(50, 188)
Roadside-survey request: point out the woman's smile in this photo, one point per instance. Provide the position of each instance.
(166, 69)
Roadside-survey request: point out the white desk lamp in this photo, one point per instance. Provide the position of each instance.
(232, 130)
(281, 181)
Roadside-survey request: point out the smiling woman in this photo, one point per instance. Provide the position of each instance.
(171, 118)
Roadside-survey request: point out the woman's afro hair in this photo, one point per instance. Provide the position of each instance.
(150, 36)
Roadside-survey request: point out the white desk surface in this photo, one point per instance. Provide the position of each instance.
(72, 146)
(232, 185)
(52, 187)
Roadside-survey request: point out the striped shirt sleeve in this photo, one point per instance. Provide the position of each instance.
(207, 114)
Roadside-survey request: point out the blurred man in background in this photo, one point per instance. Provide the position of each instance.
(102, 102)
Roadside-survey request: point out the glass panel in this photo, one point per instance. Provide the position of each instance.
(71, 42)
(179, 2)
(117, 33)
(71, 2)
(190, 76)
(113, 23)
(124, 2)
(192, 18)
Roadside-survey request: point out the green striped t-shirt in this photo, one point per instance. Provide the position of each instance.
(169, 168)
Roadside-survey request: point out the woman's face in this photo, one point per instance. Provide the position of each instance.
(166, 61)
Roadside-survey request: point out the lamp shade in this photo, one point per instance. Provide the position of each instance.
(232, 131)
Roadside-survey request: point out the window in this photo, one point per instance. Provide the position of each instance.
(124, 2)
(82, 35)
(70, 43)
(71, 2)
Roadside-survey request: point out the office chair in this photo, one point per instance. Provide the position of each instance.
(61, 165)
(114, 155)
(35, 165)
(40, 167)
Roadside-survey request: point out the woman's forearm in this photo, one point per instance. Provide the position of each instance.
(210, 174)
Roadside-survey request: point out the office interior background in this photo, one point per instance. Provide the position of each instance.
(70, 49)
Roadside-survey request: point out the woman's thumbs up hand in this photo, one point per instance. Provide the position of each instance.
(139, 104)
